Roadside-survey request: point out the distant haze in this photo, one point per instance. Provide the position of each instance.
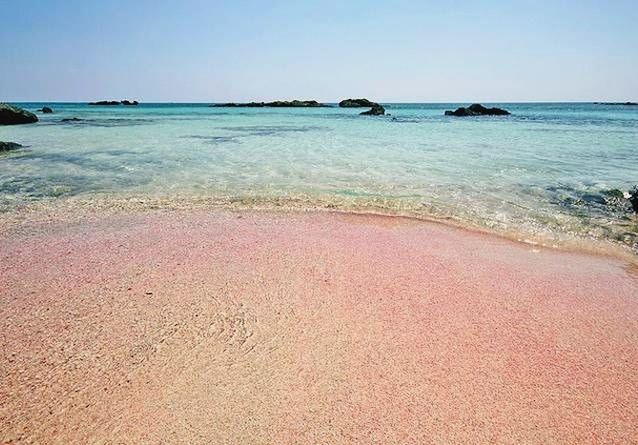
(390, 51)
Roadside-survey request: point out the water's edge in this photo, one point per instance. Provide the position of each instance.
(73, 210)
(552, 174)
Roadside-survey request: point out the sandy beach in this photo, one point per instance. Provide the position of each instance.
(259, 327)
(318, 223)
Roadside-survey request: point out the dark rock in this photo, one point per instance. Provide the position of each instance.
(376, 110)
(275, 104)
(614, 197)
(477, 110)
(617, 103)
(46, 110)
(593, 199)
(105, 102)
(130, 103)
(633, 199)
(8, 146)
(357, 103)
(614, 193)
(71, 119)
(14, 116)
(295, 104)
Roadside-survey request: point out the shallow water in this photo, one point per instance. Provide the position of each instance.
(542, 173)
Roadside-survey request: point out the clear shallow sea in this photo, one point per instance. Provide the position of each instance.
(542, 173)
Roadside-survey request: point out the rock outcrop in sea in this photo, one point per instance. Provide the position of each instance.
(477, 110)
(10, 115)
(46, 110)
(115, 102)
(276, 104)
(376, 110)
(617, 103)
(105, 102)
(8, 146)
(357, 103)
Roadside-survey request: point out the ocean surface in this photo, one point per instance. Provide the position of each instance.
(546, 173)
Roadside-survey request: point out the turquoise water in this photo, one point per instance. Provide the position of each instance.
(543, 172)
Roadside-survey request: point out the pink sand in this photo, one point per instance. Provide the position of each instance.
(309, 328)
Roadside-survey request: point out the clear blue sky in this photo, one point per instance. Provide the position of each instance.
(155, 50)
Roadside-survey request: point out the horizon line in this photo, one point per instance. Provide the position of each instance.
(328, 102)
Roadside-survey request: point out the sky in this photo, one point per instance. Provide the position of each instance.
(389, 51)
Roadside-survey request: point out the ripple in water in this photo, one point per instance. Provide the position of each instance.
(547, 171)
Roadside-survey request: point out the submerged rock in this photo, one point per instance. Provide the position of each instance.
(106, 102)
(376, 110)
(46, 110)
(614, 197)
(10, 115)
(275, 104)
(71, 119)
(477, 110)
(614, 193)
(8, 146)
(357, 103)
(617, 197)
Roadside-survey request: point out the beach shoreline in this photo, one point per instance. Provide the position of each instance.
(260, 326)
(29, 215)
(552, 174)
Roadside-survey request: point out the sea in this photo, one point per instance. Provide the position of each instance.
(549, 173)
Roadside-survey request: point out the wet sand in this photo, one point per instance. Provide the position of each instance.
(310, 328)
